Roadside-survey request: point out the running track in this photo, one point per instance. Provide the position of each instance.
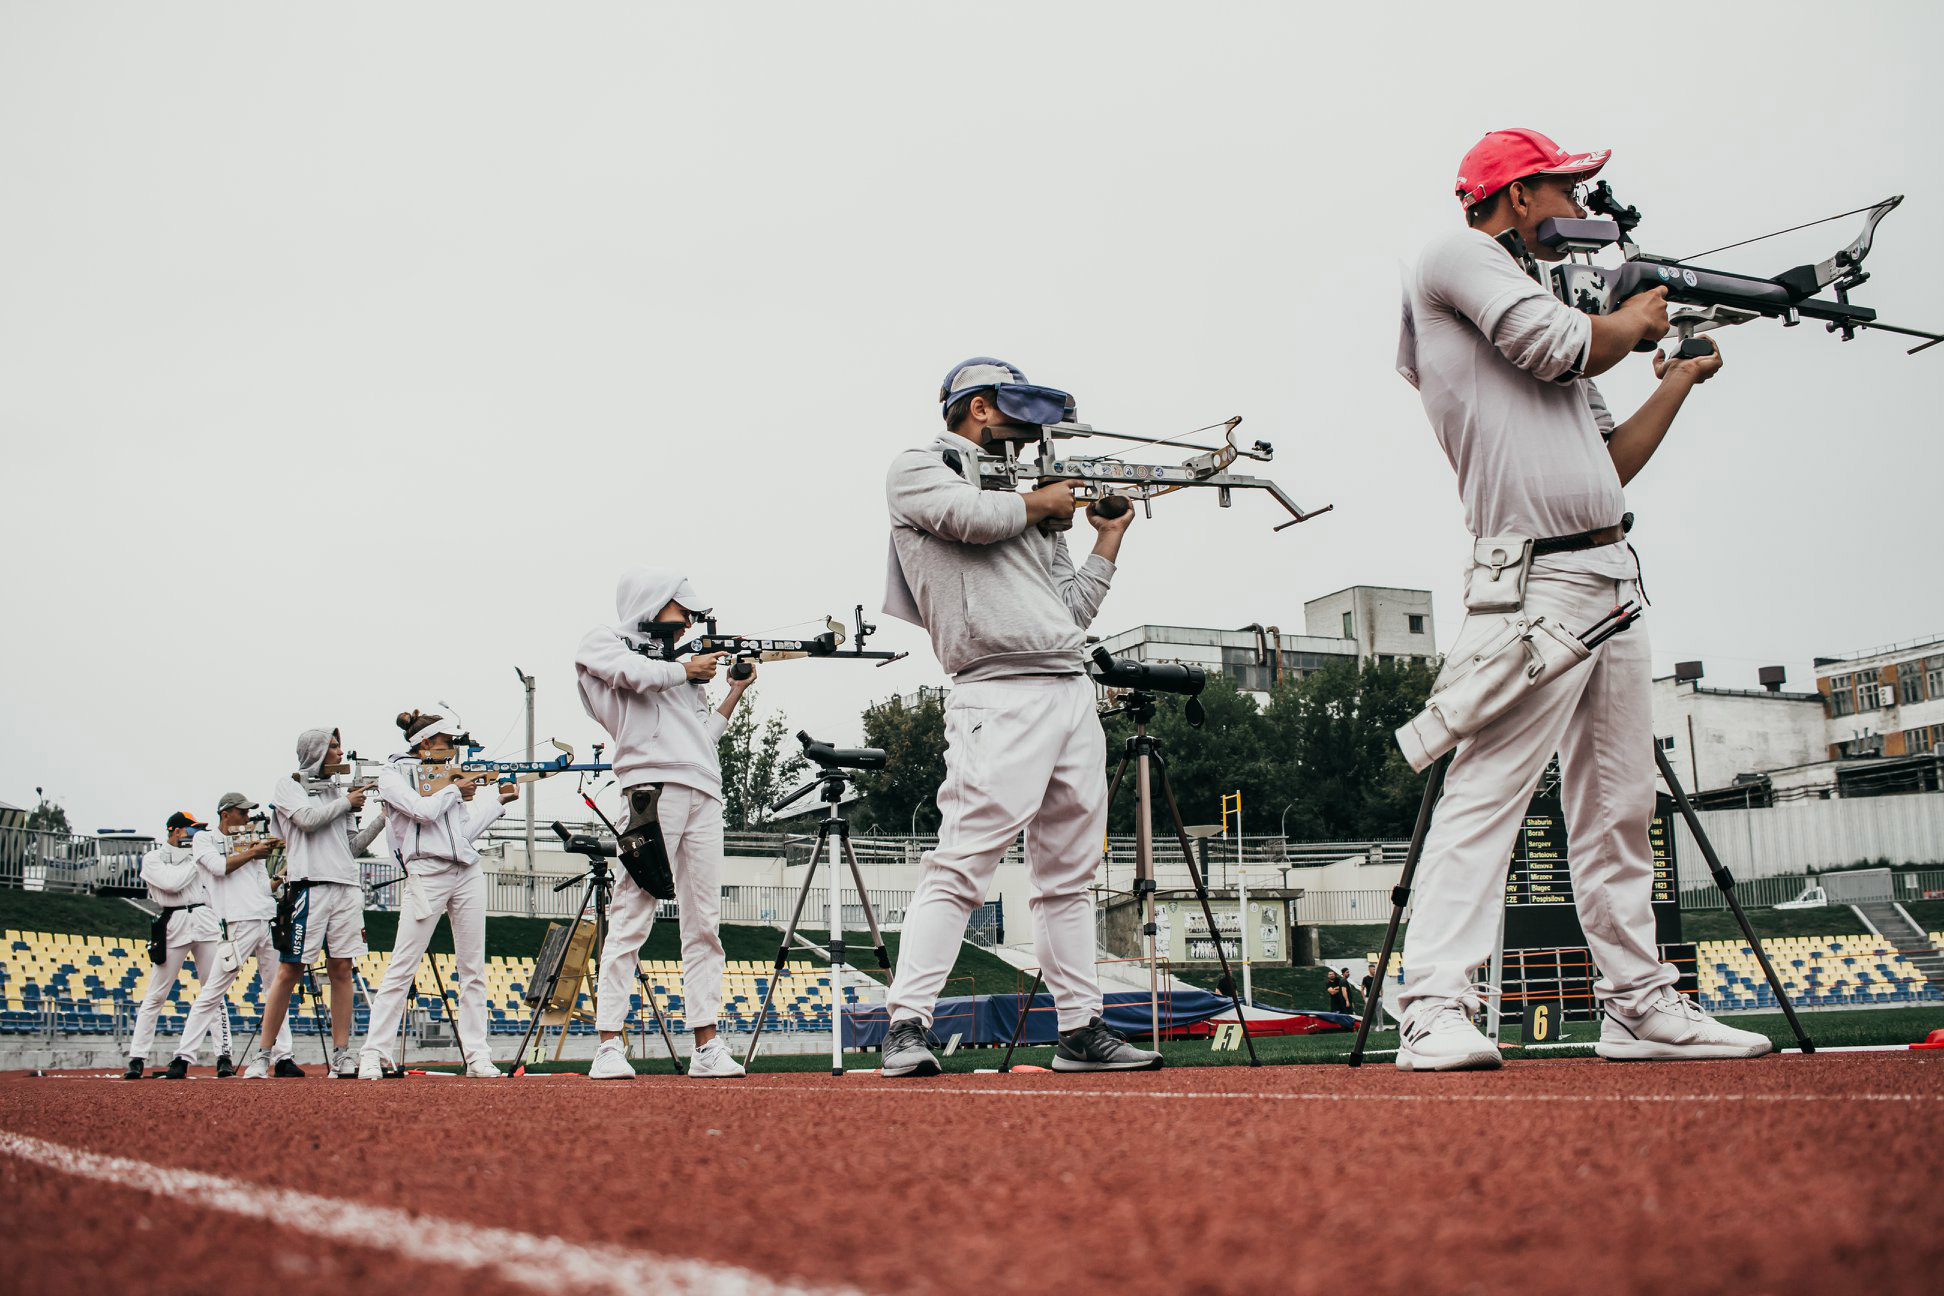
(1783, 1174)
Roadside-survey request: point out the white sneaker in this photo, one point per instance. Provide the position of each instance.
(1674, 1029)
(611, 1061)
(714, 1061)
(482, 1069)
(344, 1064)
(1441, 1037)
(372, 1065)
(258, 1070)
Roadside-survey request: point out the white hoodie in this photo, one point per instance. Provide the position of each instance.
(663, 727)
(315, 819)
(430, 834)
(174, 882)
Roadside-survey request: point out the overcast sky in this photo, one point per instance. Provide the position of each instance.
(347, 353)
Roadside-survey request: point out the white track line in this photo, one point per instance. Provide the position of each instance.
(543, 1263)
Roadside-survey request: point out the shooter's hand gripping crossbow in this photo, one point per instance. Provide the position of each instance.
(1699, 299)
(828, 645)
(1107, 485)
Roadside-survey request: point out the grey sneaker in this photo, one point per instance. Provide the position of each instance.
(904, 1052)
(1093, 1047)
(344, 1064)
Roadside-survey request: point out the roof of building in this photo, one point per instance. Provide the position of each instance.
(1888, 652)
(1784, 695)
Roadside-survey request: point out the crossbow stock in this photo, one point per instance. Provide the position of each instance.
(362, 775)
(1699, 299)
(828, 645)
(1102, 478)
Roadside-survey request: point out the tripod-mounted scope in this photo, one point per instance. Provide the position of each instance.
(1144, 679)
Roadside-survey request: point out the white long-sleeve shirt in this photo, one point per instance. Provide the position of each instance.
(238, 894)
(174, 881)
(318, 827)
(429, 834)
(663, 727)
(1496, 359)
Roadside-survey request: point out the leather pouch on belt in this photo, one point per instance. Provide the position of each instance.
(1500, 565)
(644, 852)
(1500, 679)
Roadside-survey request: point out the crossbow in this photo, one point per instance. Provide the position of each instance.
(829, 645)
(1699, 299)
(1108, 486)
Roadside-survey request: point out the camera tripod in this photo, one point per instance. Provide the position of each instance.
(600, 885)
(833, 832)
(1723, 880)
(1150, 763)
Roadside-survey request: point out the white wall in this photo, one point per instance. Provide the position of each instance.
(1734, 733)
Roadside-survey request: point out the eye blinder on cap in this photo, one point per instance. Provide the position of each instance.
(1024, 403)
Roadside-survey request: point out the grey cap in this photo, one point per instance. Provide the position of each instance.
(234, 801)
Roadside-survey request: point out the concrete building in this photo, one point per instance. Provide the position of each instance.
(1377, 623)
(1385, 623)
(1714, 736)
(1885, 702)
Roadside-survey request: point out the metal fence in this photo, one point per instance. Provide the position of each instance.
(68, 862)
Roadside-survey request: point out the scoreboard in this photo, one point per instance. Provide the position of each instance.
(1539, 911)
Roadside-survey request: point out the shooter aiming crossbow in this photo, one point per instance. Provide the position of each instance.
(1699, 299)
(827, 646)
(1108, 486)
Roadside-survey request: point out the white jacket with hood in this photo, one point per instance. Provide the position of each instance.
(175, 882)
(663, 727)
(430, 834)
(316, 821)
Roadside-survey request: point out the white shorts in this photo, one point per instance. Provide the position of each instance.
(325, 918)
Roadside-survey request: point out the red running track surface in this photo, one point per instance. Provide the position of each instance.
(1781, 1174)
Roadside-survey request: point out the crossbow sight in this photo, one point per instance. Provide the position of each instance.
(1699, 299)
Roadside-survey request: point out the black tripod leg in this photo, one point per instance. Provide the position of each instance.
(1019, 1027)
(1208, 912)
(661, 1024)
(320, 1015)
(789, 934)
(1400, 897)
(1726, 882)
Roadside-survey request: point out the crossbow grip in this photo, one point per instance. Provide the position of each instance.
(1109, 506)
(742, 670)
(1694, 348)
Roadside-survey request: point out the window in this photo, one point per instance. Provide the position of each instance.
(1911, 686)
(1921, 739)
(1417, 623)
(1934, 677)
(1349, 626)
(1666, 744)
(1842, 703)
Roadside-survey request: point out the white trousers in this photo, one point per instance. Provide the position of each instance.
(1021, 754)
(1599, 718)
(162, 979)
(691, 824)
(459, 893)
(248, 938)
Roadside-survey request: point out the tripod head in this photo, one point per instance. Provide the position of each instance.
(833, 769)
(1142, 680)
(596, 852)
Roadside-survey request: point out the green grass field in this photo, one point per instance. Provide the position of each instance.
(1827, 1029)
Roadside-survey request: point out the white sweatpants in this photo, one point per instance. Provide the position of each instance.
(162, 979)
(1599, 718)
(460, 893)
(248, 938)
(691, 824)
(1025, 753)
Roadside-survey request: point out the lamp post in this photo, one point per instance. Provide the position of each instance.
(527, 682)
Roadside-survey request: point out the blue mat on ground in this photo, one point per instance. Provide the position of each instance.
(990, 1019)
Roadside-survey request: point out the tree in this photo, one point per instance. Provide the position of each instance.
(1332, 731)
(906, 789)
(1226, 754)
(47, 817)
(756, 768)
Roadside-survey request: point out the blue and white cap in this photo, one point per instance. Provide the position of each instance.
(1016, 398)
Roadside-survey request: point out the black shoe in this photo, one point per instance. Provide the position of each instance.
(178, 1069)
(134, 1071)
(1094, 1047)
(288, 1069)
(224, 1067)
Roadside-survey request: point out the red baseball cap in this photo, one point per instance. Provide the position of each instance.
(1507, 155)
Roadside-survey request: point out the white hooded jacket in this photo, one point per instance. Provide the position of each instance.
(663, 727)
(430, 834)
(315, 819)
(174, 882)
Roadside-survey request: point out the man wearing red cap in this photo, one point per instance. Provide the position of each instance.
(1503, 368)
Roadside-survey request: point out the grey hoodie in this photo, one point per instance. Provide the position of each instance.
(998, 597)
(315, 819)
(663, 727)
